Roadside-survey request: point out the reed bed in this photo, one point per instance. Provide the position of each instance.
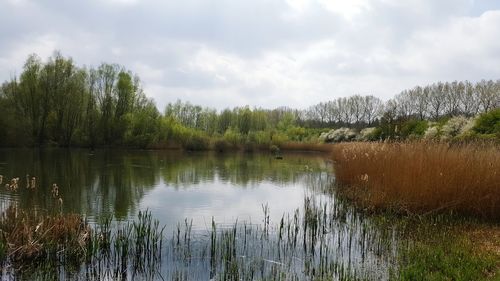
(322, 240)
(421, 177)
(38, 244)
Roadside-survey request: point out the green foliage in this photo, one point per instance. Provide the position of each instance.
(296, 133)
(413, 128)
(278, 138)
(196, 141)
(259, 137)
(488, 123)
(55, 102)
(445, 259)
(286, 121)
(233, 137)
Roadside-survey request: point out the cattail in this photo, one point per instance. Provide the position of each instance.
(55, 190)
(14, 184)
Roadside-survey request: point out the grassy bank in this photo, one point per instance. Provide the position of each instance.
(448, 194)
(421, 177)
(444, 248)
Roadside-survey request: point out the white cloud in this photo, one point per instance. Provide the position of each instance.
(348, 9)
(262, 53)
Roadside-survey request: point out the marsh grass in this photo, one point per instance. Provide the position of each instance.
(421, 177)
(322, 240)
(440, 247)
(39, 245)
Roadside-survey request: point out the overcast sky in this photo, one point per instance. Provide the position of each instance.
(261, 52)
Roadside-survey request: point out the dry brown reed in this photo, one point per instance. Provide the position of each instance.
(422, 177)
(29, 235)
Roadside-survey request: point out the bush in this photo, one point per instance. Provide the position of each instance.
(233, 137)
(454, 127)
(414, 128)
(488, 123)
(278, 138)
(196, 142)
(367, 134)
(339, 135)
(296, 133)
(431, 133)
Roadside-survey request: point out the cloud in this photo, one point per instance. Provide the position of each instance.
(262, 53)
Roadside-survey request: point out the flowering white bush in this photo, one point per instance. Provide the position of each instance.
(453, 127)
(341, 134)
(431, 133)
(366, 134)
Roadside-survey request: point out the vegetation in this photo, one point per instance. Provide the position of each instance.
(422, 177)
(58, 103)
(35, 245)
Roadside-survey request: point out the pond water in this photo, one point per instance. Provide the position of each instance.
(279, 218)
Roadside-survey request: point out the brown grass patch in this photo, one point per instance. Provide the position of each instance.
(29, 235)
(422, 177)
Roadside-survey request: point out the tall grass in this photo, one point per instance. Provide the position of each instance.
(422, 177)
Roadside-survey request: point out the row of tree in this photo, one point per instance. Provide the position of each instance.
(241, 119)
(58, 102)
(430, 102)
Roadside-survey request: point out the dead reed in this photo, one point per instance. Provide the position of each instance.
(29, 235)
(421, 177)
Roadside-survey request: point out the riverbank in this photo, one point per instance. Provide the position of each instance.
(442, 244)
(446, 196)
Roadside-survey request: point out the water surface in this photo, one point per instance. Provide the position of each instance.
(281, 218)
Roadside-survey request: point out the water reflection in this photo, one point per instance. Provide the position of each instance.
(174, 185)
(240, 216)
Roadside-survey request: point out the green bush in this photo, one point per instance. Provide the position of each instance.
(296, 133)
(278, 138)
(415, 128)
(233, 137)
(488, 123)
(196, 142)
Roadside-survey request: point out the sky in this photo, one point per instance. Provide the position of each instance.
(261, 53)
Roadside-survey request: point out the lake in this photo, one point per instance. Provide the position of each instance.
(281, 218)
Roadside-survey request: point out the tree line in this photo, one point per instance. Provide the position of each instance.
(431, 102)
(57, 102)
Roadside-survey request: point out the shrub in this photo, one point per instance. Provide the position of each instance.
(414, 128)
(233, 137)
(339, 135)
(367, 134)
(455, 127)
(488, 123)
(278, 138)
(431, 133)
(296, 133)
(196, 141)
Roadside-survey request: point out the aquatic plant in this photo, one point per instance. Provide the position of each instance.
(421, 177)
